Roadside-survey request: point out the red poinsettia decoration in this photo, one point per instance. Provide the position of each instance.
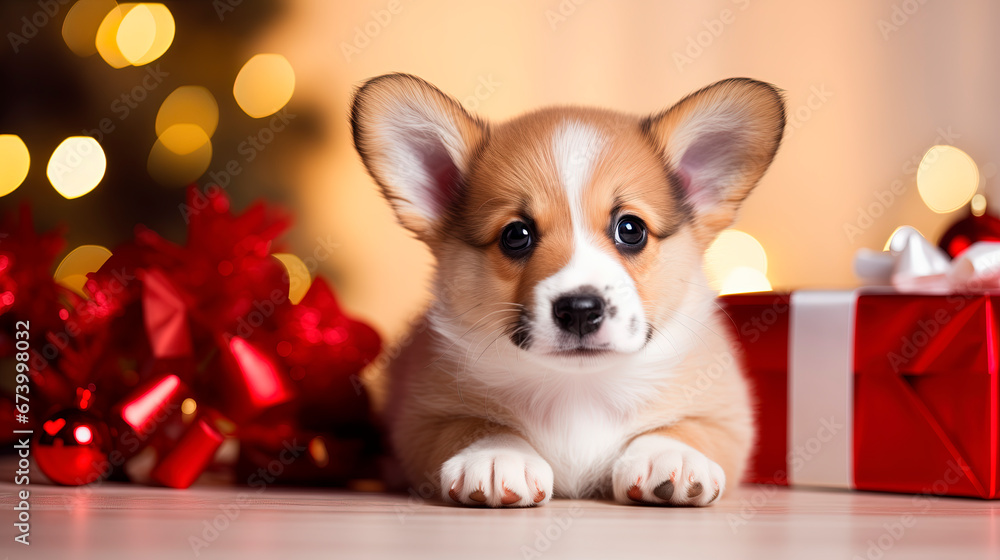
(29, 296)
(26, 261)
(208, 321)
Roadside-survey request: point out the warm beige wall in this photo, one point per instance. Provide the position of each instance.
(887, 98)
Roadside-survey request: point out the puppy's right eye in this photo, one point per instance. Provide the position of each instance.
(516, 239)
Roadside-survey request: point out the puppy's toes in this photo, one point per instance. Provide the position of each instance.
(660, 470)
(497, 471)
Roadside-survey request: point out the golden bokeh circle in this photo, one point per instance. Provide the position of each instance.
(947, 179)
(264, 85)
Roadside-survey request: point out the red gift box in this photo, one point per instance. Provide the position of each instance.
(921, 378)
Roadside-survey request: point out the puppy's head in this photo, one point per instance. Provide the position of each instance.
(566, 232)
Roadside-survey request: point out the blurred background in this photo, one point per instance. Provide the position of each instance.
(253, 97)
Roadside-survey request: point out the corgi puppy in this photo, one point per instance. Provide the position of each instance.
(572, 348)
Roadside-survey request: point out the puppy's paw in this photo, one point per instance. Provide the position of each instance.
(497, 471)
(660, 470)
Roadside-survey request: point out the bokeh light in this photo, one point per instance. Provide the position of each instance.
(107, 37)
(192, 105)
(14, 163)
(264, 85)
(72, 271)
(978, 205)
(189, 406)
(298, 275)
(947, 178)
(155, 18)
(77, 166)
(318, 452)
(135, 34)
(83, 435)
(731, 250)
(744, 279)
(184, 138)
(82, 21)
(180, 155)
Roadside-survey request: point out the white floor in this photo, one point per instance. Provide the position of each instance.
(131, 521)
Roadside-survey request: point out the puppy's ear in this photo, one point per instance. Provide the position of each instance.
(717, 143)
(417, 144)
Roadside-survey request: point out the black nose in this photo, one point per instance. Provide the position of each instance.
(579, 315)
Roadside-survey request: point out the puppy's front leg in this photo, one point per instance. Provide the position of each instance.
(497, 470)
(683, 464)
(479, 463)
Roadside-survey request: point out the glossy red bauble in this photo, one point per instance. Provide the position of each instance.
(72, 448)
(969, 230)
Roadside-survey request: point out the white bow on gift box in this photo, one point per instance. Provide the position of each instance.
(913, 264)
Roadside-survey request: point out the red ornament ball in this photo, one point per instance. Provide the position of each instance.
(969, 230)
(72, 447)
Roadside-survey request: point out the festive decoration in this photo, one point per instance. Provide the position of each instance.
(72, 271)
(913, 264)
(969, 230)
(881, 391)
(927, 412)
(26, 262)
(72, 448)
(182, 465)
(909, 404)
(174, 348)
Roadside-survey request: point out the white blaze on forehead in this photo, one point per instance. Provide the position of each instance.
(576, 148)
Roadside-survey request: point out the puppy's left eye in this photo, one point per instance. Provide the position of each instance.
(630, 232)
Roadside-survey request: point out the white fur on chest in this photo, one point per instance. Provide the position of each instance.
(580, 422)
(580, 441)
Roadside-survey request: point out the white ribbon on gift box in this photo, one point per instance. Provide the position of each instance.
(821, 346)
(821, 388)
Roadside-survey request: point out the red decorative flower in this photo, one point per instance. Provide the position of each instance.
(212, 316)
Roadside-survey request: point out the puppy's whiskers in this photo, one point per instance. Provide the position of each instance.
(514, 307)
